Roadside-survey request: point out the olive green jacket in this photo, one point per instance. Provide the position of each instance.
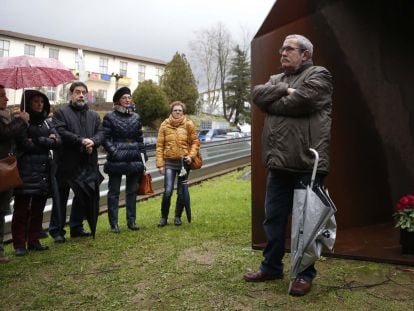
(296, 122)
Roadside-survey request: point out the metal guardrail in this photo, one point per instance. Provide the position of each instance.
(218, 157)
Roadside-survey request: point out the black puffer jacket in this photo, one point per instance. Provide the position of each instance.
(123, 142)
(33, 149)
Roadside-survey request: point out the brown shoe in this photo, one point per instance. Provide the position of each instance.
(300, 287)
(259, 276)
(4, 259)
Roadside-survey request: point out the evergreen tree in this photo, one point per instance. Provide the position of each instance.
(238, 88)
(151, 103)
(178, 82)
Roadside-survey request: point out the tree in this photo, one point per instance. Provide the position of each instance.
(151, 103)
(178, 82)
(212, 49)
(238, 87)
(203, 55)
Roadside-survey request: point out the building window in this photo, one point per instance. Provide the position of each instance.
(54, 53)
(29, 49)
(51, 93)
(123, 69)
(101, 96)
(159, 73)
(103, 65)
(4, 48)
(141, 73)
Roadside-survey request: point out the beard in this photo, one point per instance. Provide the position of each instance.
(80, 103)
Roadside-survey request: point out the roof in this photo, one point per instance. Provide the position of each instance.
(13, 34)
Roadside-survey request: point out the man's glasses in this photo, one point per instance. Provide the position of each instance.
(289, 49)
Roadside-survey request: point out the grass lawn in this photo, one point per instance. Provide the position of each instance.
(197, 266)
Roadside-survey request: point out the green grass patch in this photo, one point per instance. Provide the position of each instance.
(197, 266)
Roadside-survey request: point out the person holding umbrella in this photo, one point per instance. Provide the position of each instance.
(298, 104)
(81, 132)
(33, 149)
(11, 126)
(124, 145)
(177, 143)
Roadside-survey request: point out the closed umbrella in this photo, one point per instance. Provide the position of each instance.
(313, 225)
(86, 189)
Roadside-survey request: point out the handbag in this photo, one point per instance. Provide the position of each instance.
(197, 161)
(9, 173)
(145, 185)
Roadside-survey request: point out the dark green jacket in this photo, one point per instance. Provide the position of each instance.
(294, 123)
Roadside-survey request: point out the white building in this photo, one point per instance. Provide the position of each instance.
(104, 70)
(211, 102)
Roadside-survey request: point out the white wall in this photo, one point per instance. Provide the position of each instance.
(67, 56)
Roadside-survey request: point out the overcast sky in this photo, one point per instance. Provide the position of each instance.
(149, 28)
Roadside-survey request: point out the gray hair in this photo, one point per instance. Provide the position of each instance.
(304, 43)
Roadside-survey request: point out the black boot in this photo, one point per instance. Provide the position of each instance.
(177, 221)
(163, 222)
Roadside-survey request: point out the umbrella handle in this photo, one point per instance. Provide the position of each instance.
(315, 166)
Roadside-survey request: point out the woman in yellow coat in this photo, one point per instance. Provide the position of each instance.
(177, 144)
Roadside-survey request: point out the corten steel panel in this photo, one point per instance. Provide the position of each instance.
(372, 150)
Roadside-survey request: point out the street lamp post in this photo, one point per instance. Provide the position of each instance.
(117, 76)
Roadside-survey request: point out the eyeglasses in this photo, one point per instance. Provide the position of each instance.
(126, 97)
(177, 110)
(289, 49)
(78, 92)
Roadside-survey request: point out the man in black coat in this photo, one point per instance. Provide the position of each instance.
(81, 132)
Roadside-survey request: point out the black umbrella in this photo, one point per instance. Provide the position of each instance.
(56, 205)
(186, 199)
(85, 186)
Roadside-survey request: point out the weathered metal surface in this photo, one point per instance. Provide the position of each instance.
(366, 48)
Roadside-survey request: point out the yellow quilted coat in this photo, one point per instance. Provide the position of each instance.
(176, 140)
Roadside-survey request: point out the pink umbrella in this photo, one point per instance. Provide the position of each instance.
(28, 71)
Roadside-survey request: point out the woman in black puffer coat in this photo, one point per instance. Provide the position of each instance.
(33, 150)
(124, 145)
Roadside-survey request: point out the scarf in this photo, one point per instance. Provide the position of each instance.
(122, 109)
(176, 122)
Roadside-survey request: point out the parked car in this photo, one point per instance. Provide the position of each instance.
(202, 135)
(150, 142)
(212, 134)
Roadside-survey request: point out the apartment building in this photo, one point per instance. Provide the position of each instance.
(103, 71)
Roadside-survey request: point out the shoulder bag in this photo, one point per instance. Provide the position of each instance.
(197, 160)
(9, 173)
(145, 185)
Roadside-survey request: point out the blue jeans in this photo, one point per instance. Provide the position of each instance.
(278, 205)
(114, 185)
(76, 214)
(183, 195)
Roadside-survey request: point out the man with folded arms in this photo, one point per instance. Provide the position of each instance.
(298, 104)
